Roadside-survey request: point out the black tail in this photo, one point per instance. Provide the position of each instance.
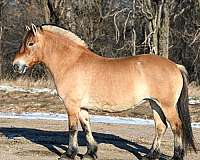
(183, 111)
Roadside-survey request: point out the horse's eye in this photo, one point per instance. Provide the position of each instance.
(30, 44)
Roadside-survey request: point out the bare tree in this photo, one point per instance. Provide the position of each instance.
(157, 14)
(46, 10)
(2, 5)
(56, 10)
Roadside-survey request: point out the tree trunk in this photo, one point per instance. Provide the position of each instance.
(199, 3)
(56, 10)
(2, 4)
(163, 34)
(46, 11)
(157, 14)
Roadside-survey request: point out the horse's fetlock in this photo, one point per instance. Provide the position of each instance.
(93, 148)
(72, 151)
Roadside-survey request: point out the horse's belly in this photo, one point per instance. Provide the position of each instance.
(116, 97)
(107, 106)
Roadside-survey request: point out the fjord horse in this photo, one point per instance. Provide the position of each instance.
(86, 81)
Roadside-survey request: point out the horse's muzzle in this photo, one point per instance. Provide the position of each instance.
(20, 68)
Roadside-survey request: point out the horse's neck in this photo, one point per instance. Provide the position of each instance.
(59, 57)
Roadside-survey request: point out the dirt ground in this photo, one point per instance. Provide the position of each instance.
(46, 140)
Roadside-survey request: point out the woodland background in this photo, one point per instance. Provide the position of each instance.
(112, 28)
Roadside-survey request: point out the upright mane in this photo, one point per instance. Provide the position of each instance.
(65, 33)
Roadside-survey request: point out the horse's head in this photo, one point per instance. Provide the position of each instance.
(30, 51)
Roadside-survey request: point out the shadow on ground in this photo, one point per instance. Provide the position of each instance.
(53, 139)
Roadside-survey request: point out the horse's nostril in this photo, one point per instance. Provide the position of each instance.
(20, 68)
(16, 67)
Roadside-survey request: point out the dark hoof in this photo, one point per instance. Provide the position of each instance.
(178, 154)
(68, 155)
(177, 158)
(91, 153)
(152, 155)
(65, 158)
(89, 157)
(145, 158)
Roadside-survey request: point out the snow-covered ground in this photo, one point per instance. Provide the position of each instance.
(94, 118)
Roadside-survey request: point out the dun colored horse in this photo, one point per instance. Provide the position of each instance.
(86, 81)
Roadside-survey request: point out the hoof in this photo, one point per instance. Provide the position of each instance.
(91, 153)
(152, 155)
(88, 157)
(70, 154)
(144, 158)
(178, 154)
(177, 158)
(66, 158)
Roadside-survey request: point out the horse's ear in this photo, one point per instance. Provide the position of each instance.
(34, 29)
(27, 28)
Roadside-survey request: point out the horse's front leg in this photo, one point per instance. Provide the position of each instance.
(73, 118)
(91, 143)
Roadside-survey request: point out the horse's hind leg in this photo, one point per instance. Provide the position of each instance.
(92, 145)
(176, 126)
(160, 128)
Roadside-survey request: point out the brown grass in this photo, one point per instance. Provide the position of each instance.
(194, 90)
(28, 83)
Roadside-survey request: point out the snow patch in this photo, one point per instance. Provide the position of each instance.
(193, 101)
(94, 118)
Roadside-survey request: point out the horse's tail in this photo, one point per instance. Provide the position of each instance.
(183, 111)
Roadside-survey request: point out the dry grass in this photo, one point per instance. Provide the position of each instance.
(194, 90)
(28, 83)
